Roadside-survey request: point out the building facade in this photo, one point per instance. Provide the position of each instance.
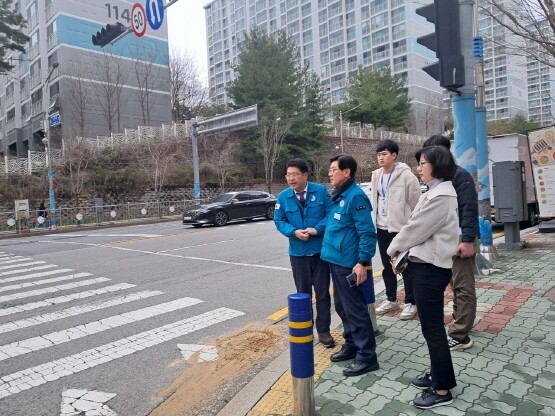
(334, 37)
(96, 91)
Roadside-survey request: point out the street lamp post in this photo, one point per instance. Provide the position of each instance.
(46, 141)
(341, 123)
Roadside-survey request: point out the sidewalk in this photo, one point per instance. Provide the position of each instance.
(510, 370)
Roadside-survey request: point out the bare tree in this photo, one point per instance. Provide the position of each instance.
(78, 98)
(221, 151)
(272, 132)
(78, 154)
(320, 161)
(111, 78)
(144, 75)
(155, 155)
(188, 92)
(532, 22)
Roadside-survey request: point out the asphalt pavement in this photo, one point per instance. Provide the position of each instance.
(510, 370)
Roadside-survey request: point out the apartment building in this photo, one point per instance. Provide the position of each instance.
(505, 75)
(335, 37)
(95, 91)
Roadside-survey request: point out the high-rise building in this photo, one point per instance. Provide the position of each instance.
(95, 91)
(504, 74)
(335, 37)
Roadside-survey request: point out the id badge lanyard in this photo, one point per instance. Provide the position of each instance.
(383, 200)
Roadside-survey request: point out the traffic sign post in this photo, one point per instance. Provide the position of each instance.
(155, 13)
(138, 20)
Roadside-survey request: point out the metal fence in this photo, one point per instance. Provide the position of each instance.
(92, 215)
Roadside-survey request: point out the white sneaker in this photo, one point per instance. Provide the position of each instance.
(387, 306)
(409, 310)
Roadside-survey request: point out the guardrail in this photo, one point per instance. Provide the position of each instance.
(93, 215)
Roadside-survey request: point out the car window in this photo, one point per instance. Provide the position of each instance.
(257, 195)
(243, 197)
(221, 198)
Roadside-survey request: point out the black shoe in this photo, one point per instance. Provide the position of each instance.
(430, 399)
(356, 368)
(326, 339)
(422, 382)
(345, 353)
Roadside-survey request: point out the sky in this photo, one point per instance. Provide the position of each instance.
(187, 31)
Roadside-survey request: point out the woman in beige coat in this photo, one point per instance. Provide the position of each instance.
(431, 236)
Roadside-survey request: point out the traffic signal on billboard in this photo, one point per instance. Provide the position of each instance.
(108, 34)
(445, 42)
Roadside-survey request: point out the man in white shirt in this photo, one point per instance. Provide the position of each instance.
(395, 192)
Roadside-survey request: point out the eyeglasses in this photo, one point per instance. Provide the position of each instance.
(292, 175)
(421, 164)
(333, 170)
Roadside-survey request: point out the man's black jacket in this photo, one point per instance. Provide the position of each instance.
(468, 205)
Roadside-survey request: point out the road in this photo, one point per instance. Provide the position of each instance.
(103, 310)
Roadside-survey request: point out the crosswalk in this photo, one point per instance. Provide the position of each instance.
(42, 295)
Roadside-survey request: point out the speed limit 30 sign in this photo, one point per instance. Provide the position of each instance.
(138, 20)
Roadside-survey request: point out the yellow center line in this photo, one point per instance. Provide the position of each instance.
(283, 312)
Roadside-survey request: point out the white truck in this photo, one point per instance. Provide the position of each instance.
(514, 147)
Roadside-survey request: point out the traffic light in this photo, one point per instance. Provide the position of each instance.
(445, 42)
(108, 34)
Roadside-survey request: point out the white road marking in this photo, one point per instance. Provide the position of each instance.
(15, 259)
(33, 275)
(28, 345)
(64, 299)
(116, 235)
(52, 289)
(86, 402)
(207, 352)
(195, 246)
(13, 266)
(75, 310)
(258, 266)
(29, 269)
(35, 376)
(45, 281)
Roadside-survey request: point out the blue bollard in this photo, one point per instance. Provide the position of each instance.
(370, 297)
(301, 353)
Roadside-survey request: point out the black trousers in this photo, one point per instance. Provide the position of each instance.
(309, 272)
(389, 278)
(351, 307)
(429, 285)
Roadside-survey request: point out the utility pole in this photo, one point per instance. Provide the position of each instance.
(341, 123)
(47, 143)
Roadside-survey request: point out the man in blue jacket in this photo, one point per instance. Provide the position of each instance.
(349, 245)
(301, 215)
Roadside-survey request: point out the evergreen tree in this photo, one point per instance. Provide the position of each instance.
(381, 99)
(269, 74)
(11, 36)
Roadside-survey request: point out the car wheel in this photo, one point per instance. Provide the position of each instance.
(532, 217)
(270, 212)
(220, 218)
(197, 225)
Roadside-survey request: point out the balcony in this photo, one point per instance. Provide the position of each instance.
(337, 69)
(36, 108)
(8, 99)
(338, 84)
(52, 40)
(400, 67)
(34, 51)
(32, 22)
(400, 50)
(35, 80)
(51, 10)
(10, 124)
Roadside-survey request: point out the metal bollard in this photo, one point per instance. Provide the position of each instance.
(301, 353)
(370, 296)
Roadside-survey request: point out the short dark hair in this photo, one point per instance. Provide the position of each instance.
(438, 140)
(441, 159)
(388, 145)
(298, 163)
(344, 162)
